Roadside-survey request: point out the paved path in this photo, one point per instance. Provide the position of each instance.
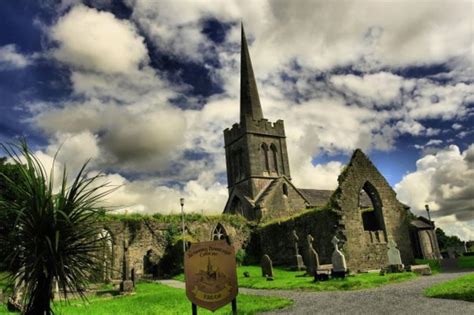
(401, 298)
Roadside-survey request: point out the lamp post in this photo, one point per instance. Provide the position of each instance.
(428, 211)
(181, 201)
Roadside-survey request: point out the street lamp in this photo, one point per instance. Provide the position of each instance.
(181, 201)
(428, 211)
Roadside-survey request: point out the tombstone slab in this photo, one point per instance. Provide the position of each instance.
(313, 258)
(393, 253)
(338, 260)
(267, 267)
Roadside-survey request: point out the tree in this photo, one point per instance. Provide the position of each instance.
(446, 241)
(55, 235)
(7, 218)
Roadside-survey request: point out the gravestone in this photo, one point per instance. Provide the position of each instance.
(313, 259)
(126, 285)
(267, 267)
(394, 258)
(298, 259)
(339, 266)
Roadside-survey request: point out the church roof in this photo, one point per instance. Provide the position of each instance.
(319, 197)
(421, 223)
(249, 100)
(316, 197)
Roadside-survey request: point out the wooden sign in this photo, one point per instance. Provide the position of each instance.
(210, 271)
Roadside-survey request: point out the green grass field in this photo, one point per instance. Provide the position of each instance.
(466, 262)
(457, 289)
(153, 298)
(290, 280)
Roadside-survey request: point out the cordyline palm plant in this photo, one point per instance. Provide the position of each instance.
(55, 234)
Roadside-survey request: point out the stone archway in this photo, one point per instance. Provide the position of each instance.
(371, 209)
(106, 255)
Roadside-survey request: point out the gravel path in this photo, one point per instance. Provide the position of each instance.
(401, 298)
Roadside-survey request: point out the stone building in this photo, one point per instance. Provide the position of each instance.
(363, 211)
(258, 171)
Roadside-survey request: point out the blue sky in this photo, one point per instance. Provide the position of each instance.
(145, 88)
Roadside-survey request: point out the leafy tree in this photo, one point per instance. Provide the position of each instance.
(446, 241)
(55, 235)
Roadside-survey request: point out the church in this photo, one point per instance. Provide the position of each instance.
(363, 211)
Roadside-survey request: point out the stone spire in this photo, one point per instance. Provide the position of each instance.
(249, 100)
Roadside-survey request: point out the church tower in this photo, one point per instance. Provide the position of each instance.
(256, 152)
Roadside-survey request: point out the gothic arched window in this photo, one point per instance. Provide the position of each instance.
(264, 157)
(219, 233)
(371, 209)
(273, 159)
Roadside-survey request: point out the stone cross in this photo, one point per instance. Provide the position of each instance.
(267, 267)
(393, 253)
(310, 240)
(313, 259)
(126, 262)
(299, 260)
(126, 285)
(295, 240)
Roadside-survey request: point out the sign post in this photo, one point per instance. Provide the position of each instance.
(211, 277)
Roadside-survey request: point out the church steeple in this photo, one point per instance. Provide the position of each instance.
(249, 100)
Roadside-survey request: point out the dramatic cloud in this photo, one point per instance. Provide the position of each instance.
(97, 41)
(10, 58)
(442, 180)
(338, 86)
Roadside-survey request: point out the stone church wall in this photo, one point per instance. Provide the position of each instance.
(144, 235)
(275, 239)
(368, 249)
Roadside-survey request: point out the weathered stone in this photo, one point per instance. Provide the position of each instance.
(298, 258)
(423, 270)
(126, 286)
(267, 267)
(393, 253)
(313, 260)
(338, 260)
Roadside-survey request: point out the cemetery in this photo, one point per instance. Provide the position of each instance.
(270, 236)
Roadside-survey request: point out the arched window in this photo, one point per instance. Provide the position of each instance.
(264, 157)
(285, 190)
(219, 233)
(370, 206)
(273, 159)
(107, 254)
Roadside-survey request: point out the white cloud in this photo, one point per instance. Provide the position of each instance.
(382, 88)
(442, 180)
(97, 41)
(10, 58)
(124, 118)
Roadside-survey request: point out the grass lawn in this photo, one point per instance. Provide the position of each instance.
(466, 262)
(288, 280)
(153, 298)
(458, 289)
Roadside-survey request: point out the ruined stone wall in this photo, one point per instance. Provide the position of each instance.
(275, 239)
(147, 234)
(365, 249)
